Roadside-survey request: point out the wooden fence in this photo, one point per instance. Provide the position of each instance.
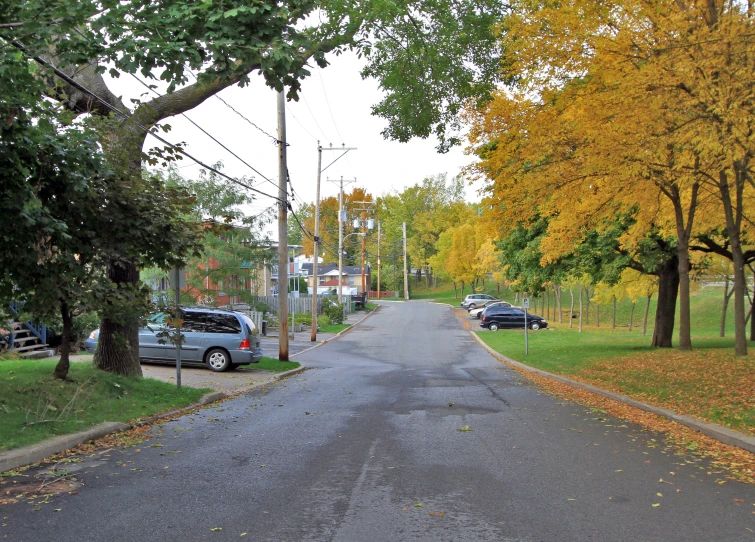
(298, 305)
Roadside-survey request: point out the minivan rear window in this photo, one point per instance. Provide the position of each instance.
(222, 323)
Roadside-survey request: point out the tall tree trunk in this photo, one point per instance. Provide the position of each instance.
(118, 343)
(548, 304)
(462, 289)
(631, 316)
(558, 302)
(668, 289)
(61, 369)
(645, 318)
(427, 277)
(571, 308)
(613, 324)
(455, 294)
(752, 306)
(733, 209)
(597, 313)
(683, 234)
(580, 309)
(587, 306)
(722, 329)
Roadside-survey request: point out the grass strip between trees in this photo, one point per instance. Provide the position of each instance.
(35, 406)
(333, 328)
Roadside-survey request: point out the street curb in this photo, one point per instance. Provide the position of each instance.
(720, 433)
(27, 455)
(337, 335)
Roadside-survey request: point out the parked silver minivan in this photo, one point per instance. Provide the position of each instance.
(221, 339)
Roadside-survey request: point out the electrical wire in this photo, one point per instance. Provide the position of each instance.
(126, 116)
(247, 164)
(327, 101)
(229, 106)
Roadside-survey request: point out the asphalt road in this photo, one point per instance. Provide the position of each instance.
(366, 446)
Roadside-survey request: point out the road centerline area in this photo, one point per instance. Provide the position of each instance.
(402, 429)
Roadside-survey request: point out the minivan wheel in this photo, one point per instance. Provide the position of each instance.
(535, 326)
(218, 360)
(493, 327)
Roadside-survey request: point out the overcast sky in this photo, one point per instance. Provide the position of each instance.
(334, 108)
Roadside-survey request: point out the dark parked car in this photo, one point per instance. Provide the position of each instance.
(221, 339)
(496, 317)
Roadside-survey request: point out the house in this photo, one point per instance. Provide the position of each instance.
(327, 277)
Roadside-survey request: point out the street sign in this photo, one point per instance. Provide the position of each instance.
(525, 302)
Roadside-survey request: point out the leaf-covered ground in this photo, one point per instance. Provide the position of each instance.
(711, 384)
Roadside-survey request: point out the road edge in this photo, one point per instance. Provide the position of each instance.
(337, 335)
(718, 432)
(34, 453)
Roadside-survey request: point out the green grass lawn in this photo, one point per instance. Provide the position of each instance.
(272, 364)
(333, 328)
(709, 382)
(35, 406)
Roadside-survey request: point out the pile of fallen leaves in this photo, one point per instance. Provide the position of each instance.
(728, 461)
(711, 384)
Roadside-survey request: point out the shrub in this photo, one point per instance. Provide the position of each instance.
(333, 310)
(303, 318)
(323, 321)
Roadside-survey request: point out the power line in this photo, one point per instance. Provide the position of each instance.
(315, 118)
(327, 101)
(126, 116)
(274, 139)
(247, 164)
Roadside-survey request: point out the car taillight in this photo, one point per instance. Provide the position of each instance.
(245, 345)
(484, 318)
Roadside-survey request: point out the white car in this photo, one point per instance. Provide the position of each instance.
(477, 313)
(475, 300)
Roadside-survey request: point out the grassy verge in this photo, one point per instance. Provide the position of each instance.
(333, 328)
(35, 406)
(709, 382)
(272, 364)
(445, 293)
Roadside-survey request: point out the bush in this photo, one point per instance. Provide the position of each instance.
(323, 321)
(303, 318)
(261, 306)
(83, 325)
(333, 310)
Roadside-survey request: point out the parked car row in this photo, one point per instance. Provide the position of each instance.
(221, 339)
(495, 314)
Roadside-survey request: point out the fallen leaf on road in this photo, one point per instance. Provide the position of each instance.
(242, 534)
(660, 495)
(216, 529)
(418, 505)
(739, 500)
(656, 505)
(465, 428)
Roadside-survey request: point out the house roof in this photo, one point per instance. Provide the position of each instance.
(333, 267)
(333, 282)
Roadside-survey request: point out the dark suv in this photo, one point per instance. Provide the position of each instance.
(496, 317)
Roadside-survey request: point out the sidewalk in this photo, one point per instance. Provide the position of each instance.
(196, 376)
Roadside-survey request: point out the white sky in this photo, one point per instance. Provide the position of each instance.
(334, 107)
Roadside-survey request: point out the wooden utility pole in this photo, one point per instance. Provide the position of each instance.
(341, 212)
(406, 276)
(313, 337)
(378, 263)
(282, 232)
(364, 241)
